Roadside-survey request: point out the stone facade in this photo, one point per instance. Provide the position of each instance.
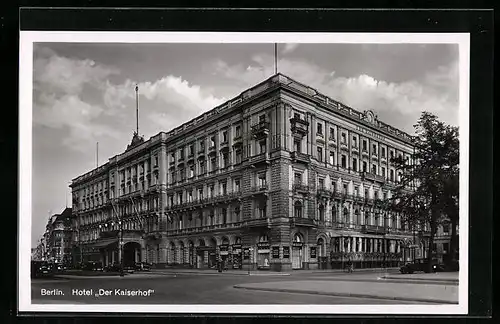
(279, 178)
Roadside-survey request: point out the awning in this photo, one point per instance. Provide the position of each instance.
(103, 243)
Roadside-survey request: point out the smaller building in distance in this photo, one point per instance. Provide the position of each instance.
(55, 245)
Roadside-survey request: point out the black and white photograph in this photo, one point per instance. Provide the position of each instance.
(244, 173)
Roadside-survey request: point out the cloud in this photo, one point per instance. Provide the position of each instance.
(399, 104)
(290, 47)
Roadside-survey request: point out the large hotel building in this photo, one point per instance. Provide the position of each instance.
(280, 177)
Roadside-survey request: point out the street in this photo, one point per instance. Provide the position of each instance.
(189, 288)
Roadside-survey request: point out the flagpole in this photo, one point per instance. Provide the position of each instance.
(137, 108)
(97, 155)
(275, 58)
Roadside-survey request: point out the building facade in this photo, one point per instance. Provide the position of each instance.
(55, 246)
(280, 177)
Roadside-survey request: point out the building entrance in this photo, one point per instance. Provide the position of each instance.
(297, 251)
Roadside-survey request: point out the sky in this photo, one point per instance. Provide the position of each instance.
(83, 93)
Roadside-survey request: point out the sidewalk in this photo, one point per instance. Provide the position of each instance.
(446, 277)
(441, 294)
(181, 271)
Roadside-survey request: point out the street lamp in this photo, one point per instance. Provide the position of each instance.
(250, 265)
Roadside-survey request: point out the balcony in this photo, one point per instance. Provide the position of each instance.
(299, 126)
(261, 129)
(332, 142)
(343, 146)
(300, 188)
(364, 153)
(373, 177)
(238, 140)
(260, 159)
(324, 193)
(258, 223)
(373, 229)
(355, 149)
(205, 228)
(260, 189)
(300, 157)
(302, 221)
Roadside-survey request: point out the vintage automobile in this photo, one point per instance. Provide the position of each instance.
(92, 266)
(142, 266)
(41, 269)
(421, 265)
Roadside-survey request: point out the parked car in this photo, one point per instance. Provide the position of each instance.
(114, 267)
(142, 266)
(421, 265)
(92, 266)
(41, 269)
(129, 268)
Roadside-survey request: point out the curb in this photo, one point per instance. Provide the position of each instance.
(423, 279)
(224, 274)
(312, 292)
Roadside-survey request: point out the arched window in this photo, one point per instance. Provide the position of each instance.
(321, 212)
(297, 209)
(263, 238)
(298, 238)
(321, 247)
(346, 215)
(357, 216)
(334, 213)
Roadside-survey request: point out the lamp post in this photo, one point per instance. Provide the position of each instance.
(250, 265)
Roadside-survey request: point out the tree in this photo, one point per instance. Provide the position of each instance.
(427, 192)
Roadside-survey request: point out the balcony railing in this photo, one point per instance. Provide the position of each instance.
(261, 129)
(373, 229)
(300, 157)
(260, 188)
(323, 192)
(257, 222)
(299, 126)
(262, 158)
(302, 221)
(373, 177)
(204, 228)
(238, 140)
(300, 187)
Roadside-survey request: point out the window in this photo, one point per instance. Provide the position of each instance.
(446, 247)
(365, 145)
(383, 172)
(391, 177)
(237, 187)
(355, 164)
(156, 160)
(446, 228)
(332, 133)
(224, 215)
(344, 138)
(238, 156)
(211, 191)
(321, 212)
(343, 161)
(172, 156)
(297, 209)
(356, 191)
(374, 149)
(224, 136)
(321, 183)
(296, 146)
(182, 174)
(190, 196)
(191, 171)
(391, 153)
(202, 167)
(297, 178)
(225, 160)
(191, 150)
(345, 189)
(319, 129)
(212, 141)
(296, 116)
(383, 152)
(365, 166)
(179, 197)
(332, 158)
(200, 193)
(354, 141)
(262, 145)
(262, 209)
(374, 169)
(320, 154)
(202, 145)
(262, 180)
(223, 188)
(213, 164)
(238, 131)
(262, 118)
(237, 213)
(181, 154)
